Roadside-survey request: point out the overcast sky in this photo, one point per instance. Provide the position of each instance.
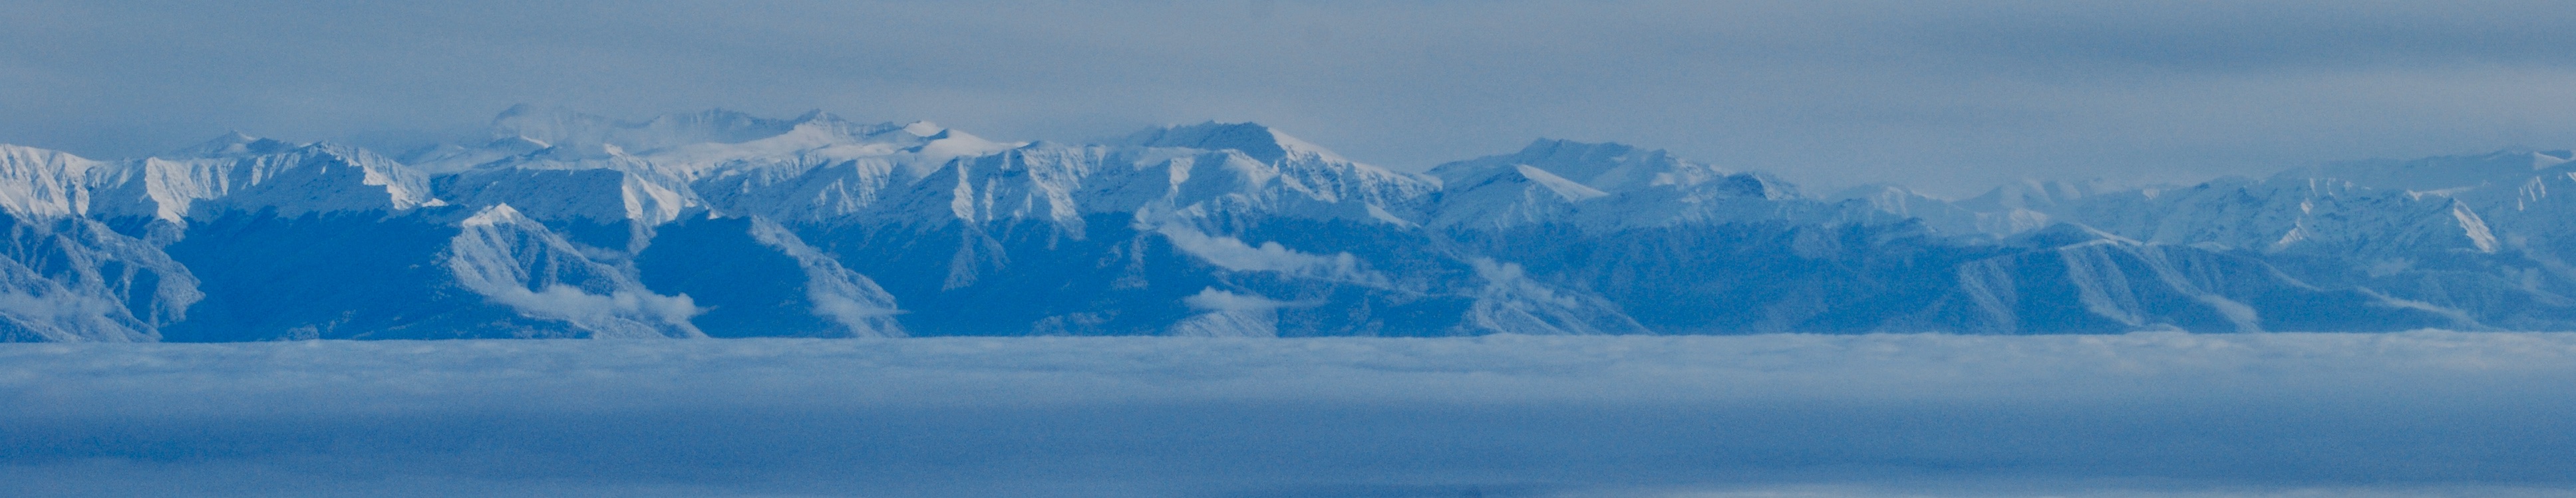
(1951, 97)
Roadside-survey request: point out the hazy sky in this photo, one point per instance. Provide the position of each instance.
(1951, 97)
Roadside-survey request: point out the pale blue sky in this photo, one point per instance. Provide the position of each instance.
(1952, 97)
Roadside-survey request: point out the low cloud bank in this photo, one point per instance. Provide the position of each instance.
(2409, 414)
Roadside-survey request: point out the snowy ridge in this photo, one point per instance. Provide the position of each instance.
(725, 224)
(1942, 215)
(307, 179)
(44, 183)
(515, 261)
(852, 300)
(74, 280)
(231, 173)
(1612, 186)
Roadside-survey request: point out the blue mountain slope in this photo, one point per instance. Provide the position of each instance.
(721, 224)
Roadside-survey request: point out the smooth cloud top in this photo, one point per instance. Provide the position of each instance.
(2151, 414)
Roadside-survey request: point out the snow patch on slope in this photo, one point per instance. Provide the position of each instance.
(74, 280)
(1511, 303)
(846, 297)
(294, 181)
(517, 262)
(1234, 254)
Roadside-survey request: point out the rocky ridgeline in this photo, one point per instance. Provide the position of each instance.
(721, 224)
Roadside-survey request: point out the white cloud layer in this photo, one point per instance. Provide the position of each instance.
(2151, 414)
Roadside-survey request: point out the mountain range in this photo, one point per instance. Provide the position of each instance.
(723, 224)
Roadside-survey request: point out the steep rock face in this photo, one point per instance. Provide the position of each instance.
(2465, 237)
(2289, 215)
(1291, 164)
(2373, 209)
(751, 277)
(73, 280)
(1061, 184)
(40, 183)
(242, 174)
(366, 275)
(1150, 237)
(1505, 197)
(823, 170)
(65, 277)
(1738, 278)
(456, 272)
(611, 188)
(516, 262)
(2073, 279)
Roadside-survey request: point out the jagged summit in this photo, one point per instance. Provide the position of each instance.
(725, 224)
(1615, 167)
(45, 183)
(1606, 165)
(1619, 168)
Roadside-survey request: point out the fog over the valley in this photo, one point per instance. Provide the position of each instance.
(2422, 413)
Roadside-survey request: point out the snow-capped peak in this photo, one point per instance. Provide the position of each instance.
(1599, 165)
(41, 182)
(453, 158)
(924, 129)
(2033, 194)
(498, 214)
(2541, 160)
(1608, 167)
(566, 215)
(234, 144)
(564, 127)
(1259, 142)
(822, 138)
